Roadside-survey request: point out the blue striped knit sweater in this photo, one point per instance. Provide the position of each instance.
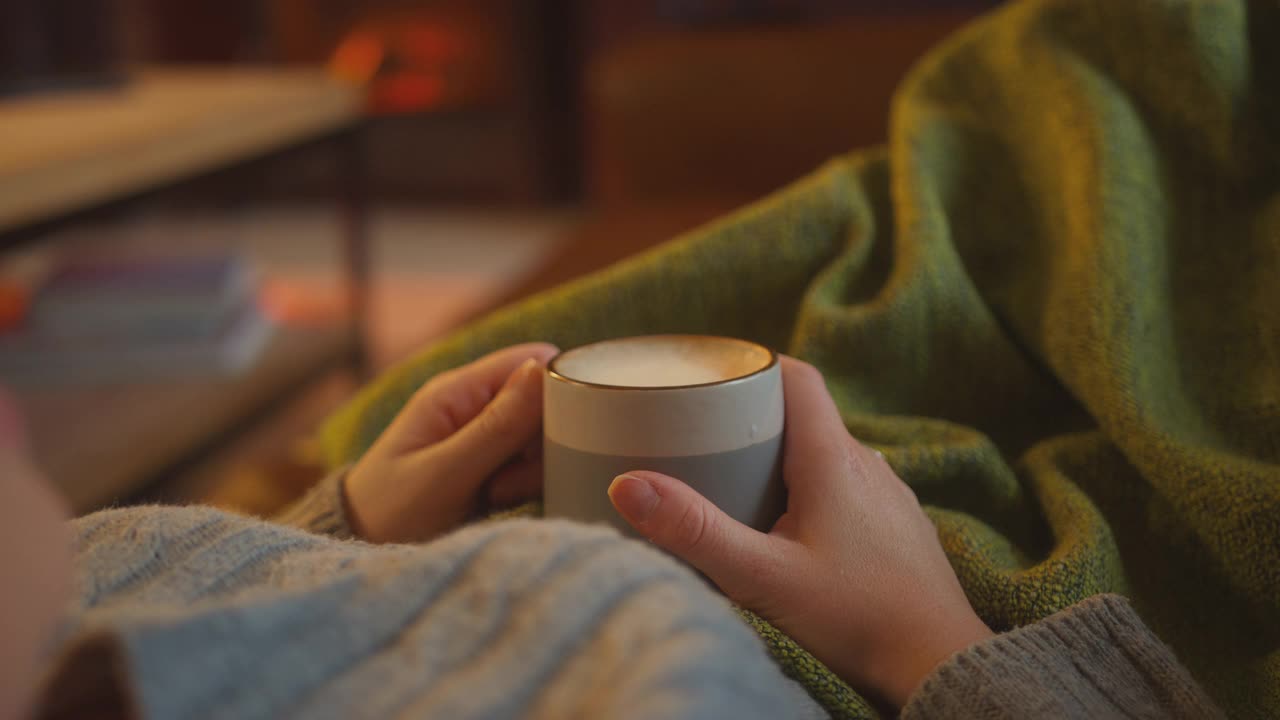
(196, 613)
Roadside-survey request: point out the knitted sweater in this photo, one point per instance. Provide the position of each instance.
(196, 613)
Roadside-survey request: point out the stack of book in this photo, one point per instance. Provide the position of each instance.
(138, 319)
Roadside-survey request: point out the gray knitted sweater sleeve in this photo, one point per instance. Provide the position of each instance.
(323, 510)
(1093, 660)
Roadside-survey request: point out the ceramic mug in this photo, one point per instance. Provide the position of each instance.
(705, 410)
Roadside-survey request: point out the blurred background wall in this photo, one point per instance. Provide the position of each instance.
(503, 147)
(607, 102)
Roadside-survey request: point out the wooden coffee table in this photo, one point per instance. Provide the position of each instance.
(70, 157)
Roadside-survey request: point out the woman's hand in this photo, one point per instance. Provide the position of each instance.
(469, 436)
(853, 571)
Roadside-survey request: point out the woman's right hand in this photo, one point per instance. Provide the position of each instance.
(853, 570)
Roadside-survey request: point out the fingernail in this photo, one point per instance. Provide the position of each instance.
(634, 497)
(522, 373)
(529, 368)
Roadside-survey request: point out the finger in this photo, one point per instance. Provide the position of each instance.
(515, 483)
(673, 515)
(812, 416)
(492, 370)
(453, 398)
(499, 432)
(816, 441)
(533, 451)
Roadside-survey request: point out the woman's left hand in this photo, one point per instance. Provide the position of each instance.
(470, 437)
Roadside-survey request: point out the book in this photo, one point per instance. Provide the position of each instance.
(149, 298)
(26, 358)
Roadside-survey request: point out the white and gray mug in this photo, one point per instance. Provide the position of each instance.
(705, 410)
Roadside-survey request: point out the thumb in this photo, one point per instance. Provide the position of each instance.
(502, 429)
(673, 515)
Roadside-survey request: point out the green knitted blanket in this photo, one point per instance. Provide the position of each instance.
(1053, 301)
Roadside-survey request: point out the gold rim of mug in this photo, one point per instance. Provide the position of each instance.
(551, 366)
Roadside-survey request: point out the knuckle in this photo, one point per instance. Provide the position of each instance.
(435, 400)
(808, 372)
(693, 529)
(423, 396)
(436, 382)
(809, 368)
(429, 393)
(911, 493)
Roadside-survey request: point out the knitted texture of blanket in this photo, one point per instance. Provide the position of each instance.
(1052, 301)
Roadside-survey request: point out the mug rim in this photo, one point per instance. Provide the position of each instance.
(556, 374)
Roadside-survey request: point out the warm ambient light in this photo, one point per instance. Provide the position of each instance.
(405, 66)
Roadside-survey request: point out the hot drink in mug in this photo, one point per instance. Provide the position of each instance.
(706, 410)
